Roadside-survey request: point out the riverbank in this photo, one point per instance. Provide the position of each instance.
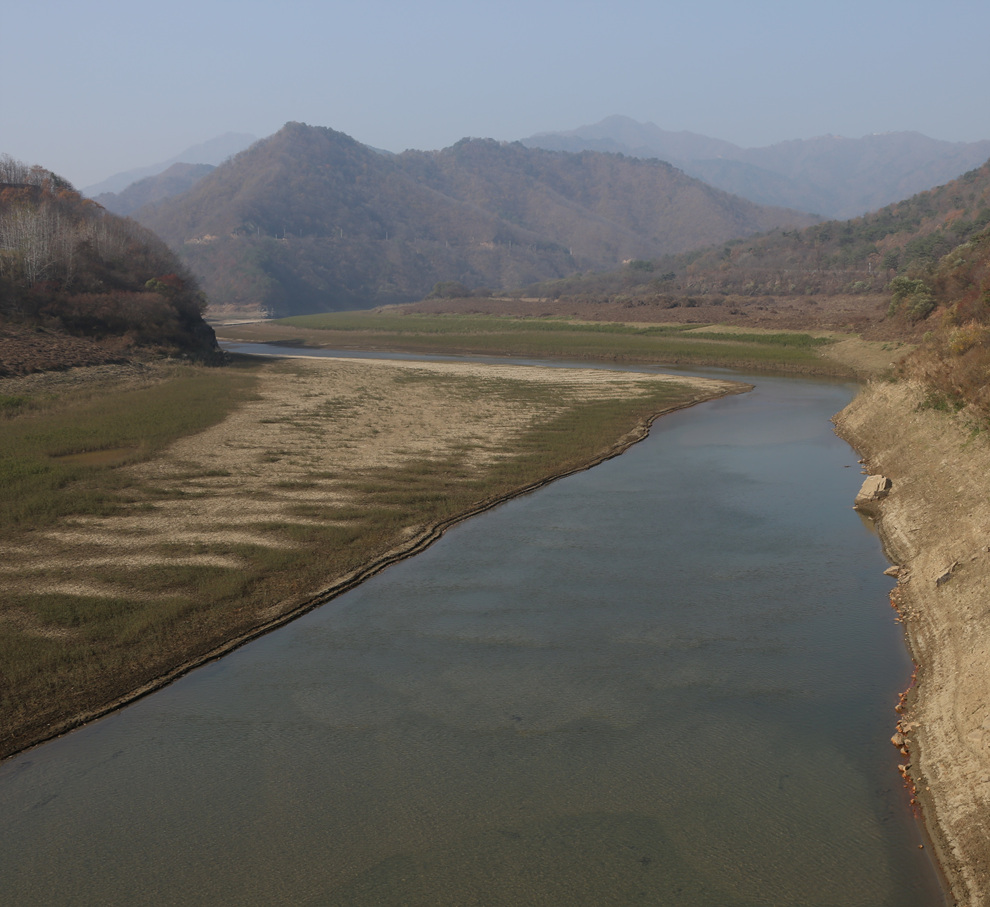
(934, 526)
(701, 345)
(325, 472)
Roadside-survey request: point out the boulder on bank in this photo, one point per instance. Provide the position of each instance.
(874, 490)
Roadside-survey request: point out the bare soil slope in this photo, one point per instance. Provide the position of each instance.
(935, 524)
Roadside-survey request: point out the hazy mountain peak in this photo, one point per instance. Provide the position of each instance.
(173, 181)
(216, 150)
(213, 151)
(625, 135)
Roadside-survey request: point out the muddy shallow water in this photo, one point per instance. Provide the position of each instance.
(667, 680)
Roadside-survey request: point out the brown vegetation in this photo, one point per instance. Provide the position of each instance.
(68, 267)
(25, 350)
(954, 360)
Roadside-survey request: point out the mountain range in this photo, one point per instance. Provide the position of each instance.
(928, 249)
(832, 176)
(178, 178)
(311, 220)
(213, 151)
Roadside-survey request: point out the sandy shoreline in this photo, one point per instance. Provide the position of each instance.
(935, 526)
(289, 456)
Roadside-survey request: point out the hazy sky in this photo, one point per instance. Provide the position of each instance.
(91, 89)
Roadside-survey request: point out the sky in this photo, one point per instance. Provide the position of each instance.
(93, 89)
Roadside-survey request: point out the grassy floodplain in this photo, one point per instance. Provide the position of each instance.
(59, 445)
(557, 338)
(64, 446)
(154, 516)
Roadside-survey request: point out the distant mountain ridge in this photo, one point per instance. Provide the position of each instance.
(831, 176)
(931, 249)
(623, 135)
(311, 220)
(177, 179)
(214, 151)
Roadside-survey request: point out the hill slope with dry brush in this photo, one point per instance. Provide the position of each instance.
(79, 285)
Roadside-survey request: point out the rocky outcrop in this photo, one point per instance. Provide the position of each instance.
(874, 490)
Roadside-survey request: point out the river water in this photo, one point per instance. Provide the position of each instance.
(667, 680)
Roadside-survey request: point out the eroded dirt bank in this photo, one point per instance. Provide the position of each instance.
(935, 524)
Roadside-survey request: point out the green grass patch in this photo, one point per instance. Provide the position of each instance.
(360, 321)
(13, 404)
(552, 338)
(783, 338)
(61, 459)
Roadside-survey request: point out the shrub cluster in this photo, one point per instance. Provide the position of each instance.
(954, 359)
(71, 266)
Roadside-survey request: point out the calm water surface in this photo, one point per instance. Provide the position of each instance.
(667, 680)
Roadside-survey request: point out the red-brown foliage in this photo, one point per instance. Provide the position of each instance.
(69, 265)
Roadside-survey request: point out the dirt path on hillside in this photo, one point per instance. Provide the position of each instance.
(935, 524)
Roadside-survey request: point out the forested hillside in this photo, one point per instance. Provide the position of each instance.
(70, 269)
(311, 220)
(859, 255)
(954, 357)
(868, 256)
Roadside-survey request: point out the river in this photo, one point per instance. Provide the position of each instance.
(667, 680)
